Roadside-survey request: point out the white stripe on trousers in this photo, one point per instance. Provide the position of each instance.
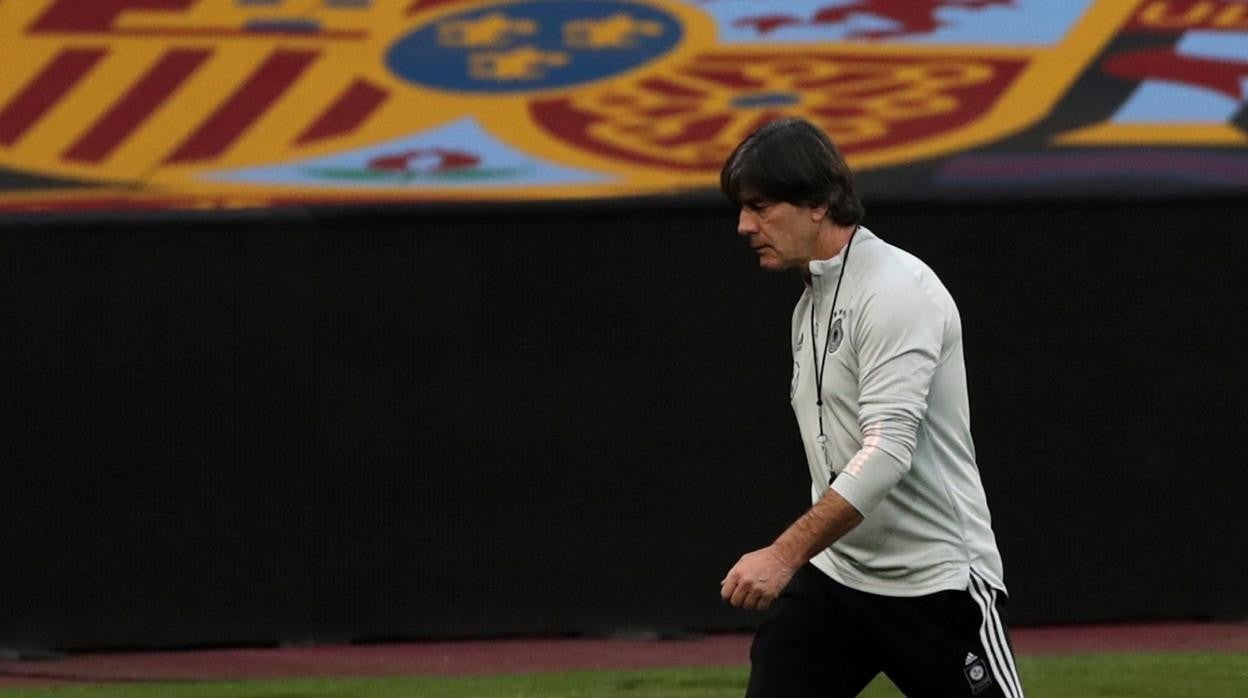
(992, 635)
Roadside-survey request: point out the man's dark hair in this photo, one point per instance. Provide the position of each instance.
(792, 160)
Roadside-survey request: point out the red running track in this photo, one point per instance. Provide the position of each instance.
(517, 656)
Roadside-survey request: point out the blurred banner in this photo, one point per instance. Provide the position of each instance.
(185, 104)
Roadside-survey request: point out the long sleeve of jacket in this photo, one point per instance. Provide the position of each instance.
(899, 335)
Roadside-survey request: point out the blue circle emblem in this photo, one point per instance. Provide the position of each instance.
(536, 45)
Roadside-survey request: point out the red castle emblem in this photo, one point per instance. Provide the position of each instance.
(911, 17)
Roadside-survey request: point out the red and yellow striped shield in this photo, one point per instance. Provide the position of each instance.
(254, 102)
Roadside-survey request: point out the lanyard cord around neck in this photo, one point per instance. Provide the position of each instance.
(816, 360)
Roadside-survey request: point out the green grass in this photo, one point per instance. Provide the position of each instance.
(1090, 676)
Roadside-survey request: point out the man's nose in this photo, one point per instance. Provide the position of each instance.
(747, 223)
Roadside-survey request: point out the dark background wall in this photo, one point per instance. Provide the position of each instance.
(413, 423)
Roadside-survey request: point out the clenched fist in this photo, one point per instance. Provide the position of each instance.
(756, 580)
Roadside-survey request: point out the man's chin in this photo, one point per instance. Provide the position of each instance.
(770, 263)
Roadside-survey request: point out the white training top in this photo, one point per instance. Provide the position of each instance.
(897, 420)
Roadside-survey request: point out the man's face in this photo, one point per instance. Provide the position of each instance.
(781, 234)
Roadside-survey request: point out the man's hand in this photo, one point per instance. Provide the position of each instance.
(756, 580)
(759, 577)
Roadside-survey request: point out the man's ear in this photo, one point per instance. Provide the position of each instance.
(818, 213)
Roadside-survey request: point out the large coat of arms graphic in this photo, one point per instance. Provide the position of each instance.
(232, 103)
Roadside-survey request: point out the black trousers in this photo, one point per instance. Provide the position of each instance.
(821, 638)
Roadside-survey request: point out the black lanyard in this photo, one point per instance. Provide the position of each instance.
(816, 360)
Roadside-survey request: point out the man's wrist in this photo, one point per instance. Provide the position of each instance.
(786, 554)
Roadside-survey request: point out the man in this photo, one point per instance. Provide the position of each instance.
(894, 568)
